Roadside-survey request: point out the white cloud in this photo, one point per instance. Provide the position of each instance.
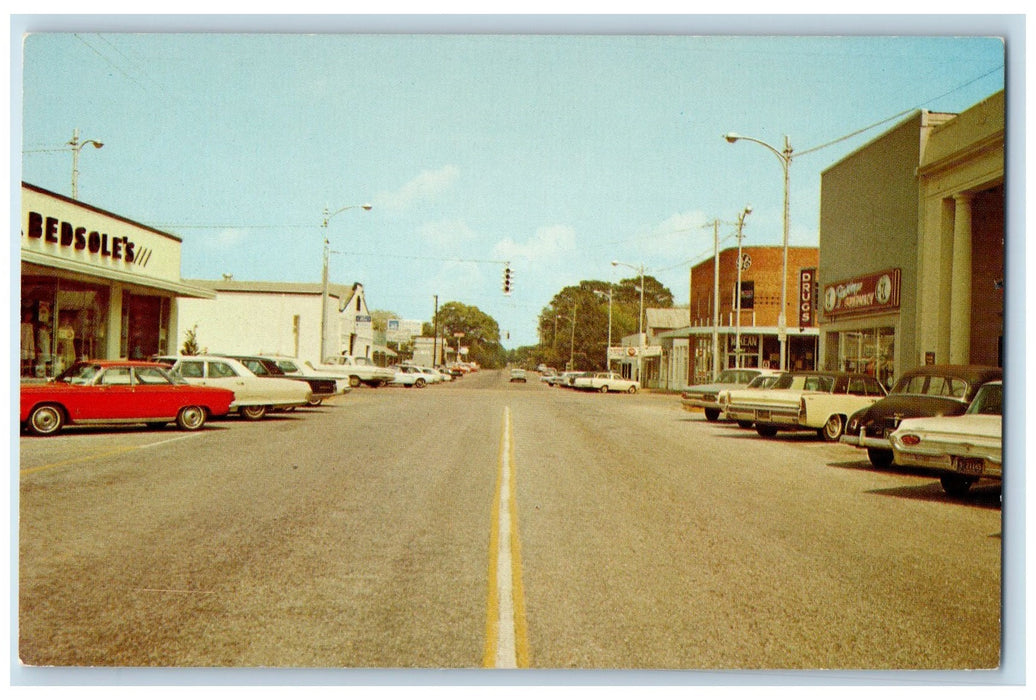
(546, 242)
(425, 186)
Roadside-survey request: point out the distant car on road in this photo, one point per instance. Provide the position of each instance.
(965, 448)
(927, 391)
(518, 375)
(118, 391)
(409, 376)
(605, 382)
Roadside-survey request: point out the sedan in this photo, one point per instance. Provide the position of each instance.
(706, 396)
(253, 396)
(126, 392)
(965, 448)
(927, 391)
(605, 382)
(409, 376)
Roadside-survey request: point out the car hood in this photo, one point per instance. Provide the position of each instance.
(712, 388)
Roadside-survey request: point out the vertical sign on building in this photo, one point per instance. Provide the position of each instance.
(807, 296)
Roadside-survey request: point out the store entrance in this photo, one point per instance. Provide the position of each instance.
(144, 323)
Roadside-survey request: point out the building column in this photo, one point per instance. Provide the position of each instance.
(960, 285)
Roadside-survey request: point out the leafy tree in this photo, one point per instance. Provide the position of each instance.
(481, 333)
(573, 329)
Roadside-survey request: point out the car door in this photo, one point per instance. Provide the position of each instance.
(155, 394)
(113, 397)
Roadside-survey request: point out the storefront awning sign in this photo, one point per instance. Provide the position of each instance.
(863, 295)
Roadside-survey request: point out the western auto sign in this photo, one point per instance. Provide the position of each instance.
(807, 305)
(863, 295)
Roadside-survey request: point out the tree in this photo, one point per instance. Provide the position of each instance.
(481, 333)
(190, 341)
(573, 329)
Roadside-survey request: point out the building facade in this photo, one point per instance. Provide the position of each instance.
(94, 285)
(911, 241)
(282, 318)
(749, 337)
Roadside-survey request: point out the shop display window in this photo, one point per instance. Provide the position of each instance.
(870, 351)
(61, 322)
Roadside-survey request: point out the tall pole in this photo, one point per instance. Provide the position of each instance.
(572, 342)
(737, 292)
(715, 300)
(77, 146)
(435, 333)
(324, 284)
(785, 158)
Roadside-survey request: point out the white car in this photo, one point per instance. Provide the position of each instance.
(407, 375)
(253, 396)
(605, 382)
(966, 448)
(706, 396)
(291, 367)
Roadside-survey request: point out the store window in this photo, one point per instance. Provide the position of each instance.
(145, 321)
(871, 351)
(61, 322)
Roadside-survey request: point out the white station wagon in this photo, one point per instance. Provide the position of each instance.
(605, 382)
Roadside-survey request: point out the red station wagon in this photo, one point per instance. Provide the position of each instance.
(118, 391)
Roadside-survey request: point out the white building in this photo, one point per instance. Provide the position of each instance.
(281, 318)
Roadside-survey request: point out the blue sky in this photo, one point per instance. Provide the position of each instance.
(556, 153)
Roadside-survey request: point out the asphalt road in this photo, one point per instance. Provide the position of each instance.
(484, 523)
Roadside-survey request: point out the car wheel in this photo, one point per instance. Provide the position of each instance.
(712, 414)
(190, 418)
(419, 383)
(253, 412)
(767, 431)
(880, 458)
(833, 428)
(354, 381)
(632, 390)
(314, 402)
(956, 486)
(46, 420)
(746, 424)
(603, 390)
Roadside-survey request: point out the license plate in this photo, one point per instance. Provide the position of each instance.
(968, 465)
(762, 415)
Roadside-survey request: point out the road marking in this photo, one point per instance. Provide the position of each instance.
(507, 644)
(100, 455)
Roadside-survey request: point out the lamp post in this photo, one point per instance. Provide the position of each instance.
(740, 266)
(77, 146)
(324, 281)
(785, 158)
(640, 318)
(607, 350)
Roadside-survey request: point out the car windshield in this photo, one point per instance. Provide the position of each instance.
(809, 382)
(932, 385)
(735, 376)
(79, 373)
(287, 366)
(988, 401)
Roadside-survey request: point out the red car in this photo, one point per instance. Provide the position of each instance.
(118, 391)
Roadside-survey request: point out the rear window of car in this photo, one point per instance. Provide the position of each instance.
(932, 385)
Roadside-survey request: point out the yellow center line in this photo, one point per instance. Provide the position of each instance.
(507, 642)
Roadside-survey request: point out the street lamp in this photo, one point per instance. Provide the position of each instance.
(77, 146)
(740, 267)
(324, 281)
(607, 350)
(640, 318)
(785, 158)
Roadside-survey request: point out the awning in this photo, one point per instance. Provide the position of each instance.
(178, 288)
(731, 330)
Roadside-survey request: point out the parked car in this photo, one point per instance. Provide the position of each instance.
(518, 375)
(706, 396)
(253, 396)
(818, 401)
(966, 448)
(605, 382)
(262, 366)
(118, 391)
(763, 381)
(408, 375)
(359, 370)
(928, 391)
(293, 368)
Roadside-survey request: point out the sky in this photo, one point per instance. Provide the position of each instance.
(553, 154)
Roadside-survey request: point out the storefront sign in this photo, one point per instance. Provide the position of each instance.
(65, 234)
(807, 281)
(862, 295)
(360, 318)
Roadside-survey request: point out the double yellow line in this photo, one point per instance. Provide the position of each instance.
(507, 637)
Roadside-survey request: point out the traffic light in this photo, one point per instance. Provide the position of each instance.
(507, 280)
